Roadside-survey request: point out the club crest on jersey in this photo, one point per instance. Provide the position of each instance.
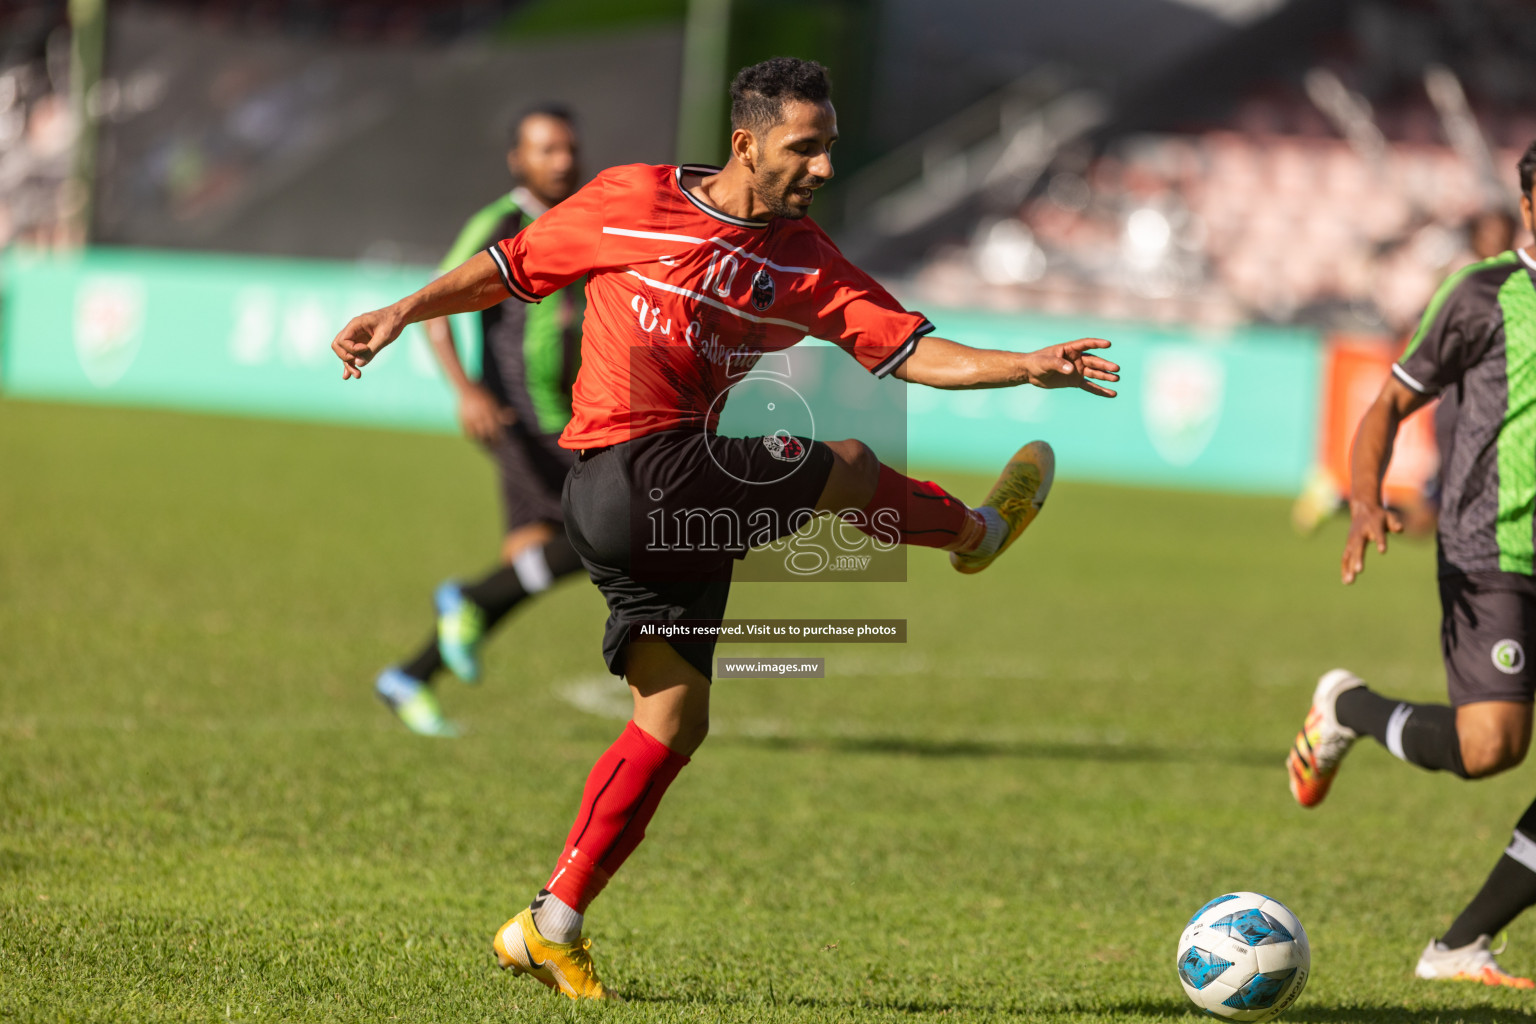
(784, 447)
(762, 290)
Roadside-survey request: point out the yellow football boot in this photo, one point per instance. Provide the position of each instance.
(563, 966)
(1018, 496)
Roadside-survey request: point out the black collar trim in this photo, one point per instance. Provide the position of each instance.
(706, 169)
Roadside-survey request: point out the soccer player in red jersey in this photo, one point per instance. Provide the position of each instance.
(694, 273)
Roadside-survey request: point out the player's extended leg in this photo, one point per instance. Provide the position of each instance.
(1463, 953)
(889, 505)
(1486, 728)
(541, 554)
(1472, 741)
(671, 719)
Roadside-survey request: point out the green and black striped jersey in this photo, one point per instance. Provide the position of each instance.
(1476, 349)
(529, 353)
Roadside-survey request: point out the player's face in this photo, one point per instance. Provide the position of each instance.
(794, 158)
(1492, 233)
(544, 159)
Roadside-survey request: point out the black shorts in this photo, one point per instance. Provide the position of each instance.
(531, 468)
(661, 520)
(1487, 620)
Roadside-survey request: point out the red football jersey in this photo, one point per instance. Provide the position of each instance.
(683, 299)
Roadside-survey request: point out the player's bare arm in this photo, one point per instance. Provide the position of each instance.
(1369, 519)
(480, 415)
(473, 285)
(941, 363)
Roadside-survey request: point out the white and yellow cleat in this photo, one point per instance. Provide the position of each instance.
(1322, 742)
(1018, 496)
(1473, 962)
(563, 966)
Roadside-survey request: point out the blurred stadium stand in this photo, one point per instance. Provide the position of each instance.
(360, 136)
(1324, 166)
(1207, 162)
(367, 128)
(37, 128)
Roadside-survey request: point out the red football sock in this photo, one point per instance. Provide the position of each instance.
(622, 793)
(921, 513)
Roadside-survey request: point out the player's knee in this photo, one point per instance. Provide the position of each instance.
(1485, 754)
(856, 456)
(856, 471)
(692, 732)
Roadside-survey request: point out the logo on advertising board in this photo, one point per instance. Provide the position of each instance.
(109, 321)
(1181, 403)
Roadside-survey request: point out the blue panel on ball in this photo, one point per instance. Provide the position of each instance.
(1261, 991)
(1253, 927)
(1208, 906)
(1199, 967)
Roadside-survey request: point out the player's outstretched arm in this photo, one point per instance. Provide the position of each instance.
(941, 363)
(472, 285)
(1369, 519)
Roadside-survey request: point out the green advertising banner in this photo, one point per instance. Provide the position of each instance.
(1226, 411)
(212, 333)
(1234, 411)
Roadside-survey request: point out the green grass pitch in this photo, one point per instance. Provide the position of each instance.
(206, 815)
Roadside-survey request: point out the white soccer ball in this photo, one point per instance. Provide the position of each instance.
(1244, 956)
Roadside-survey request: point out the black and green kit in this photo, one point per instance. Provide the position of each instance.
(529, 358)
(1476, 349)
(529, 353)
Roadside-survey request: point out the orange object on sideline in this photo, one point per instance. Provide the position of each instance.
(1358, 365)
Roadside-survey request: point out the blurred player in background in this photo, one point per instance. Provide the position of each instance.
(529, 356)
(1326, 493)
(1476, 350)
(1491, 233)
(695, 273)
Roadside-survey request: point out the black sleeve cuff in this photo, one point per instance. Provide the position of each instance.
(498, 258)
(1408, 379)
(900, 356)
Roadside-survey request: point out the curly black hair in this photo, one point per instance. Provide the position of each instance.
(758, 92)
(1527, 168)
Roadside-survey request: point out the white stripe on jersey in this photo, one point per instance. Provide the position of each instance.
(674, 289)
(663, 236)
(728, 247)
(660, 235)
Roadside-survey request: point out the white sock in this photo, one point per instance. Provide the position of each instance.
(555, 919)
(997, 531)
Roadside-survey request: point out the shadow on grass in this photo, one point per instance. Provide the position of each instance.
(1109, 753)
(1159, 1009)
(1302, 1013)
